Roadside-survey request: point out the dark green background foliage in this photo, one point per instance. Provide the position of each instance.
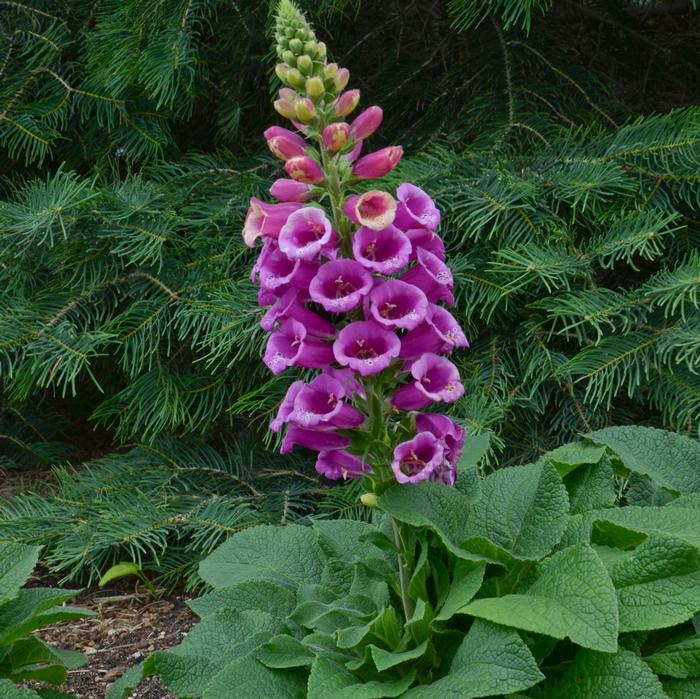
(560, 139)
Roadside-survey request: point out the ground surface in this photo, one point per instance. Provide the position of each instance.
(128, 626)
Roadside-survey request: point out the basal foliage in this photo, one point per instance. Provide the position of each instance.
(574, 576)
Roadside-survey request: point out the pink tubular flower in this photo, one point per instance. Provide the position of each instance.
(452, 437)
(354, 154)
(395, 304)
(377, 164)
(281, 132)
(427, 240)
(289, 306)
(439, 333)
(338, 464)
(278, 272)
(319, 404)
(318, 440)
(417, 459)
(432, 275)
(265, 220)
(305, 234)
(340, 285)
(304, 169)
(352, 386)
(366, 347)
(366, 123)
(416, 208)
(346, 103)
(335, 136)
(291, 345)
(290, 190)
(385, 251)
(286, 406)
(436, 379)
(373, 209)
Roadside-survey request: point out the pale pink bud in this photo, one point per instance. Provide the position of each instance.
(304, 110)
(346, 102)
(286, 93)
(341, 79)
(284, 107)
(335, 136)
(304, 169)
(366, 123)
(284, 148)
(290, 190)
(377, 164)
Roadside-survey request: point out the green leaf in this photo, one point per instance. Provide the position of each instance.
(434, 506)
(120, 570)
(658, 585)
(249, 678)
(31, 659)
(468, 481)
(129, 681)
(591, 487)
(284, 651)
(670, 459)
(466, 581)
(682, 689)
(569, 457)
(8, 690)
(17, 561)
(265, 596)
(346, 539)
(328, 680)
(572, 596)
(523, 510)
(491, 660)
(680, 660)
(622, 675)
(384, 659)
(290, 556)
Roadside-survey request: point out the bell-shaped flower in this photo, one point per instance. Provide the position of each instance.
(435, 379)
(289, 306)
(373, 209)
(377, 164)
(335, 136)
(286, 406)
(452, 437)
(366, 347)
(424, 238)
(417, 459)
(416, 209)
(292, 345)
(290, 190)
(439, 333)
(340, 285)
(395, 304)
(265, 219)
(304, 169)
(278, 272)
(316, 439)
(431, 275)
(366, 123)
(385, 251)
(338, 463)
(305, 233)
(320, 404)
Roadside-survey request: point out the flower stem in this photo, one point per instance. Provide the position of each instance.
(404, 572)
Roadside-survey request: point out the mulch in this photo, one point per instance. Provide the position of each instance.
(128, 626)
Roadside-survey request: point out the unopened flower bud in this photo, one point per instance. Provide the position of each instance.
(281, 69)
(286, 93)
(366, 123)
(369, 499)
(304, 169)
(290, 190)
(305, 64)
(341, 79)
(321, 47)
(330, 70)
(304, 110)
(311, 49)
(315, 88)
(295, 46)
(289, 58)
(335, 136)
(377, 164)
(285, 108)
(347, 102)
(295, 78)
(284, 148)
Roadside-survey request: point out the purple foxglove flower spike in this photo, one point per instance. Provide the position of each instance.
(436, 379)
(366, 123)
(431, 275)
(286, 406)
(335, 136)
(291, 345)
(395, 304)
(305, 234)
(318, 440)
(377, 164)
(384, 252)
(439, 333)
(416, 208)
(304, 169)
(366, 347)
(339, 464)
(290, 190)
(319, 404)
(426, 239)
(265, 220)
(340, 285)
(278, 272)
(416, 459)
(289, 306)
(373, 209)
(452, 437)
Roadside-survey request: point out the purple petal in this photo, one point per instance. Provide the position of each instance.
(340, 285)
(340, 464)
(416, 459)
(366, 347)
(385, 251)
(396, 304)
